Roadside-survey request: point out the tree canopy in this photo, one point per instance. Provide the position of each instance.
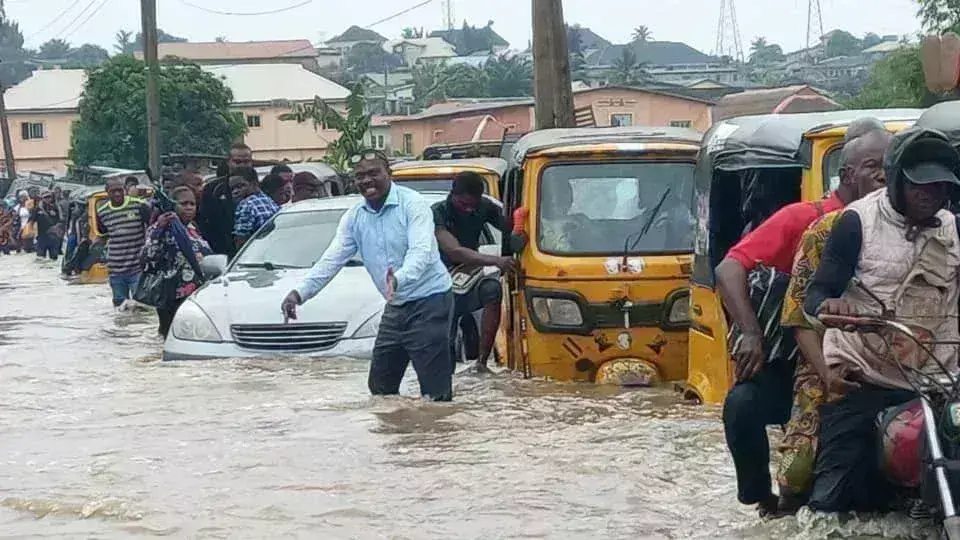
(627, 70)
(763, 53)
(895, 81)
(14, 67)
(352, 126)
(843, 43)
(195, 114)
(370, 58)
(642, 34)
(501, 76)
(939, 15)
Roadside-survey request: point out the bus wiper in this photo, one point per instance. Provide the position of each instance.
(627, 245)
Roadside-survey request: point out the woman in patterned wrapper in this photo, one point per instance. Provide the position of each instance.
(162, 256)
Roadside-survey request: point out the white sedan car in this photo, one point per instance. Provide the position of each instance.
(237, 314)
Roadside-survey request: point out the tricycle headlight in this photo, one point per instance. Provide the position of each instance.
(557, 311)
(192, 324)
(680, 310)
(370, 328)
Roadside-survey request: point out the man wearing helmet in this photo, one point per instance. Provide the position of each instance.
(900, 246)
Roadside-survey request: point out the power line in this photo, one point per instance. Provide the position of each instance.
(54, 21)
(77, 18)
(84, 22)
(248, 13)
(400, 13)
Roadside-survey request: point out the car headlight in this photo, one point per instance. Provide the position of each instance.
(557, 311)
(192, 324)
(370, 328)
(680, 310)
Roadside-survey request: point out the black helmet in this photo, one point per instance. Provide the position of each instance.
(920, 156)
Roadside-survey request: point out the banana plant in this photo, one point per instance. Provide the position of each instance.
(351, 127)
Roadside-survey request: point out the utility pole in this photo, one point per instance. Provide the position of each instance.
(148, 16)
(553, 94)
(7, 147)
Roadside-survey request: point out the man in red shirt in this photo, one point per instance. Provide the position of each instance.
(763, 393)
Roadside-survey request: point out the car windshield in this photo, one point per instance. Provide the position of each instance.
(291, 240)
(599, 208)
(430, 184)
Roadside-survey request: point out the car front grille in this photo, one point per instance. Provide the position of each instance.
(288, 337)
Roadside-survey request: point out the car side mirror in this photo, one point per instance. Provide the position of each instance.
(518, 241)
(213, 266)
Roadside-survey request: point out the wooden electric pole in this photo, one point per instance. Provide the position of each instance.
(148, 16)
(553, 94)
(7, 147)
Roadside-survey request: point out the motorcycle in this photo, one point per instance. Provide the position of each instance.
(928, 478)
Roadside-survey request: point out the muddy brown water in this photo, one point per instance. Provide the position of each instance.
(99, 439)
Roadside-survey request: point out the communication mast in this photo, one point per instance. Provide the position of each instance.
(728, 33)
(814, 23)
(448, 21)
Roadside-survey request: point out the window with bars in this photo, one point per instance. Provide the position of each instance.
(253, 120)
(681, 123)
(32, 130)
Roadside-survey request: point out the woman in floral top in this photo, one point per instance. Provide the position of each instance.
(162, 256)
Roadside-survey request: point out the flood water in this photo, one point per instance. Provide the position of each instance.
(99, 439)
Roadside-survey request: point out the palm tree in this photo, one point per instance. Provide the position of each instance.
(642, 34)
(627, 70)
(123, 42)
(509, 77)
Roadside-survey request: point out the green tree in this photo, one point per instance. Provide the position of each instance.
(763, 53)
(162, 37)
(464, 81)
(14, 67)
(895, 81)
(352, 126)
(412, 33)
(627, 70)
(578, 61)
(429, 84)
(55, 49)
(871, 39)
(843, 44)
(123, 42)
(642, 34)
(939, 15)
(508, 77)
(195, 114)
(87, 56)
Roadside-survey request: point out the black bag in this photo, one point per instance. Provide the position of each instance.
(767, 288)
(154, 290)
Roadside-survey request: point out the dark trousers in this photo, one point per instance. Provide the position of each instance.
(750, 407)
(847, 475)
(417, 331)
(48, 246)
(165, 315)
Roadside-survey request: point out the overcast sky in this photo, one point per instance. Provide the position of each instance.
(690, 21)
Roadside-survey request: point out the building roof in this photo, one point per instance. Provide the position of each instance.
(47, 90)
(431, 47)
(658, 92)
(355, 33)
(655, 53)
(248, 50)
(456, 37)
(473, 60)
(885, 47)
(261, 83)
(843, 62)
(378, 120)
(788, 99)
(589, 39)
(471, 129)
(60, 89)
(461, 106)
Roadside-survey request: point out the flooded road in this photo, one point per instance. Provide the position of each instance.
(101, 440)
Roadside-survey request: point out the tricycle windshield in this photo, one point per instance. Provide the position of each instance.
(600, 208)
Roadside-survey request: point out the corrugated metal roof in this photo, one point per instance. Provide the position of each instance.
(57, 89)
(293, 48)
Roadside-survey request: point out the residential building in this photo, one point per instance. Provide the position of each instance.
(293, 51)
(785, 100)
(379, 135)
(42, 109)
(390, 92)
(453, 120)
(590, 41)
(352, 36)
(464, 44)
(664, 61)
(417, 51)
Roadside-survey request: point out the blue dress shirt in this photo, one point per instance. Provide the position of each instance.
(400, 236)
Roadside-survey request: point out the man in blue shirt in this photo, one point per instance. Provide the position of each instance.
(254, 207)
(393, 230)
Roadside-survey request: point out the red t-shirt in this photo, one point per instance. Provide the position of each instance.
(774, 243)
